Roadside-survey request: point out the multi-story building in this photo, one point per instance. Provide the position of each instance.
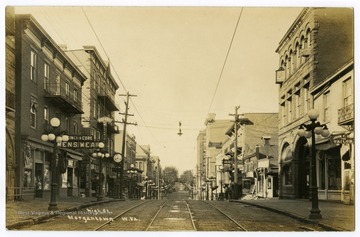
(215, 136)
(98, 119)
(336, 159)
(316, 46)
(143, 161)
(10, 103)
(261, 170)
(48, 85)
(252, 127)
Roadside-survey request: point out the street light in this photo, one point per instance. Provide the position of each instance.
(100, 153)
(131, 171)
(309, 130)
(54, 136)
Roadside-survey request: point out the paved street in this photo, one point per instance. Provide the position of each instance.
(177, 212)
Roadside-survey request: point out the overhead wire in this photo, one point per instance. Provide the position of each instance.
(88, 20)
(226, 58)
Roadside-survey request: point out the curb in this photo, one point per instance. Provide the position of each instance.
(294, 216)
(36, 220)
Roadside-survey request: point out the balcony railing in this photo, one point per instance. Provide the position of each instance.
(108, 95)
(64, 98)
(346, 114)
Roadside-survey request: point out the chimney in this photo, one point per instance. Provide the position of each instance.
(266, 140)
(257, 152)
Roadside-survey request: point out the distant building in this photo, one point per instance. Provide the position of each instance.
(214, 138)
(251, 129)
(316, 51)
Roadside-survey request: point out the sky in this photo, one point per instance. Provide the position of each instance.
(182, 62)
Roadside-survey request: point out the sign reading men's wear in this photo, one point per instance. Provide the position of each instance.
(79, 141)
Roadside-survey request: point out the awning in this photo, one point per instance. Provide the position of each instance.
(74, 156)
(324, 145)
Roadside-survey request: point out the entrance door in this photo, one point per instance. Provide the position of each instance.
(70, 182)
(303, 156)
(38, 180)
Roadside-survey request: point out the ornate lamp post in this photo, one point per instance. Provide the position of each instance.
(309, 130)
(54, 136)
(100, 153)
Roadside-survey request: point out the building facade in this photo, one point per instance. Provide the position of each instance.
(98, 119)
(11, 191)
(318, 43)
(48, 85)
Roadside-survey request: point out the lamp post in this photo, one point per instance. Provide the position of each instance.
(100, 153)
(131, 171)
(55, 136)
(309, 130)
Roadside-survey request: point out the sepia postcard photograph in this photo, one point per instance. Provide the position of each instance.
(169, 116)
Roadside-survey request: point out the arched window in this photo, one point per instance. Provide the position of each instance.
(308, 38)
(297, 55)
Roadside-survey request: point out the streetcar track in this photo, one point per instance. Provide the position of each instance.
(227, 216)
(156, 214)
(117, 216)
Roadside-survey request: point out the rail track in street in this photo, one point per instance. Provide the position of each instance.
(176, 212)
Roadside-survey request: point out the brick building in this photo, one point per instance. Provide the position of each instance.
(318, 44)
(48, 85)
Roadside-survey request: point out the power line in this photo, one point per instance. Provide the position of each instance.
(227, 55)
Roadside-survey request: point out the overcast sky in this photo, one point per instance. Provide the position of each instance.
(172, 58)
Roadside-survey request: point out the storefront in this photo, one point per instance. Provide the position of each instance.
(36, 178)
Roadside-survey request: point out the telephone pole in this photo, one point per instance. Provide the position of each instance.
(125, 122)
(236, 172)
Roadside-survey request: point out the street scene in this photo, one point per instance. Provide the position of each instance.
(179, 118)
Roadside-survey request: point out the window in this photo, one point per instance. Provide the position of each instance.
(289, 110)
(33, 62)
(46, 113)
(58, 83)
(326, 107)
(347, 92)
(76, 127)
(306, 99)
(330, 169)
(75, 95)
(67, 88)
(308, 38)
(46, 76)
(95, 108)
(297, 105)
(33, 112)
(283, 114)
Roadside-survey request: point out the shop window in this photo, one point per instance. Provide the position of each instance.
(27, 182)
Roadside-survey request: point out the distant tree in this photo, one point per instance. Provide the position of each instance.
(187, 178)
(170, 175)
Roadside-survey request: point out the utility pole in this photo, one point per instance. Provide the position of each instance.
(124, 121)
(236, 173)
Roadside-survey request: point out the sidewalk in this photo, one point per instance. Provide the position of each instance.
(335, 216)
(19, 213)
